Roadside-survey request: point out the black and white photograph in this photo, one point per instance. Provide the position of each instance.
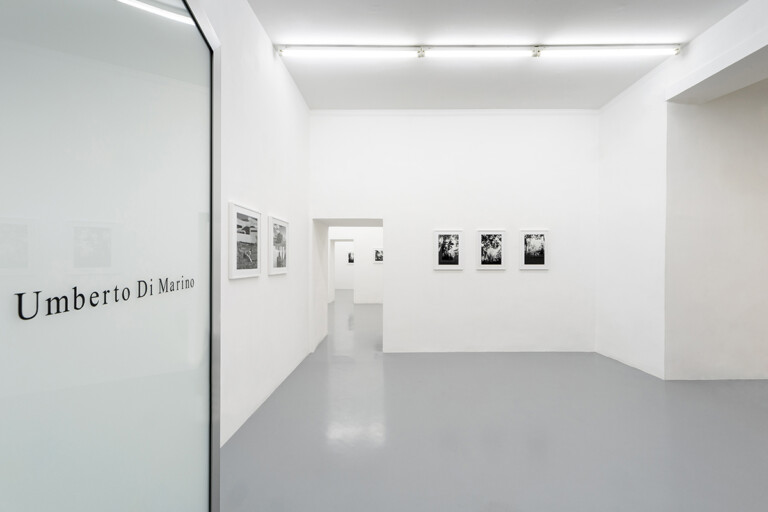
(491, 252)
(244, 229)
(378, 255)
(535, 249)
(350, 257)
(278, 249)
(448, 250)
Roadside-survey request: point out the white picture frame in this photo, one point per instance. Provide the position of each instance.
(279, 246)
(535, 249)
(448, 249)
(378, 255)
(244, 242)
(491, 250)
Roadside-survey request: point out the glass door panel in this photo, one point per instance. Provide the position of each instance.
(104, 258)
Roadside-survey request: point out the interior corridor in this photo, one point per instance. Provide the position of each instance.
(353, 429)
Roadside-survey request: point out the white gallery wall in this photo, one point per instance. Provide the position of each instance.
(420, 171)
(344, 272)
(264, 166)
(717, 238)
(365, 277)
(632, 203)
(319, 284)
(596, 180)
(631, 302)
(369, 275)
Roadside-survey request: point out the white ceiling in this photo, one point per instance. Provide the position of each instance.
(519, 83)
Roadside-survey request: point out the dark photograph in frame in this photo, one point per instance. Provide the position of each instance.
(448, 250)
(535, 251)
(491, 251)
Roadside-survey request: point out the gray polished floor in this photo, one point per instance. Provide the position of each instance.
(356, 430)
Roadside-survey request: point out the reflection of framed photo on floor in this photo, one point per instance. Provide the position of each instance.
(535, 249)
(278, 249)
(448, 247)
(491, 252)
(244, 229)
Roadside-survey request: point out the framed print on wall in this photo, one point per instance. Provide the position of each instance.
(378, 255)
(491, 251)
(244, 229)
(448, 250)
(278, 248)
(535, 249)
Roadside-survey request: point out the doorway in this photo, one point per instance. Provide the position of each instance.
(349, 259)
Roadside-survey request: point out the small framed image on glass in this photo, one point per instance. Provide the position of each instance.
(378, 255)
(95, 247)
(535, 249)
(244, 242)
(278, 248)
(491, 251)
(448, 249)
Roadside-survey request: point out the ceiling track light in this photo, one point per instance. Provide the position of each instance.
(475, 51)
(352, 52)
(609, 50)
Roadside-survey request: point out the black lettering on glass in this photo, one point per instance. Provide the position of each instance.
(79, 298)
(21, 308)
(58, 301)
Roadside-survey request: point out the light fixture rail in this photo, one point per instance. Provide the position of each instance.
(475, 51)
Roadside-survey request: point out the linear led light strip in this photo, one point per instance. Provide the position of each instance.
(154, 9)
(475, 52)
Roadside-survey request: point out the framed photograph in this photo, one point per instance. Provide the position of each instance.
(244, 229)
(491, 252)
(535, 249)
(278, 249)
(378, 255)
(448, 249)
(350, 257)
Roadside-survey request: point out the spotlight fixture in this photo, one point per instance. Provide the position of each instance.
(475, 51)
(155, 8)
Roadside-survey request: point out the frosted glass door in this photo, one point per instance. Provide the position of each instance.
(104, 258)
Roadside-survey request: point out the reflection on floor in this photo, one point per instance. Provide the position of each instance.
(355, 430)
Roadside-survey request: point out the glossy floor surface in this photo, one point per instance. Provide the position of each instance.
(355, 430)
